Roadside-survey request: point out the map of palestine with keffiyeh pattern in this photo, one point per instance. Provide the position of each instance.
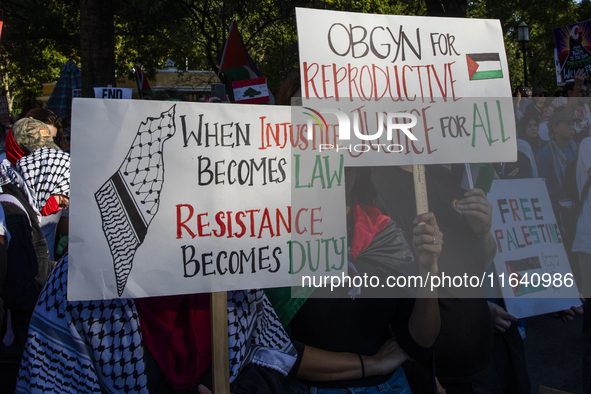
(129, 200)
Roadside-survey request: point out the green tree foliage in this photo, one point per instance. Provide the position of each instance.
(39, 37)
(542, 16)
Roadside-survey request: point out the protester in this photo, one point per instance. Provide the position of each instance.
(27, 135)
(463, 351)
(39, 186)
(582, 246)
(53, 122)
(583, 112)
(521, 99)
(346, 342)
(555, 156)
(156, 345)
(537, 107)
(527, 130)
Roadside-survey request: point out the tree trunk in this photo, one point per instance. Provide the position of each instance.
(97, 45)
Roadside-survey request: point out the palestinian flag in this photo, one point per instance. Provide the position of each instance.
(484, 66)
(236, 64)
(529, 265)
(251, 91)
(143, 87)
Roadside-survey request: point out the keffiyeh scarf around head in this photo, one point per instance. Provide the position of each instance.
(46, 172)
(9, 175)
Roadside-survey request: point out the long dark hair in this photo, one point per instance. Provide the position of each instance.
(364, 191)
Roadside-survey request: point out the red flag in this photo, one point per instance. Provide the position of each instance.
(236, 63)
(143, 87)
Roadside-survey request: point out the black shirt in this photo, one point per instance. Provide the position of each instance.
(361, 325)
(463, 349)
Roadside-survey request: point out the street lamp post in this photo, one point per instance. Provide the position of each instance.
(523, 38)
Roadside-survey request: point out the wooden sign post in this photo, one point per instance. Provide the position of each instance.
(418, 172)
(219, 342)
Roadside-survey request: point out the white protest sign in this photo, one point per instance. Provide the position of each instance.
(113, 93)
(176, 198)
(532, 268)
(451, 74)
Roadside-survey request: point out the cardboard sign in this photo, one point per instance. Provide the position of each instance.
(573, 47)
(180, 198)
(533, 272)
(450, 73)
(113, 93)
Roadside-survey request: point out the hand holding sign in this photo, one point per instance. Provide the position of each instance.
(478, 211)
(427, 242)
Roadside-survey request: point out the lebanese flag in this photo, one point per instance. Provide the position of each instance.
(484, 66)
(143, 87)
(236, 64)
(251, 91)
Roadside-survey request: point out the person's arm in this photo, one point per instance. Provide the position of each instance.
(478, 212)
(571, 104)
(425, 322)
(322, 365)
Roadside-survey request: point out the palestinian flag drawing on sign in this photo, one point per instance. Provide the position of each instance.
(529, 265)
(484, 66)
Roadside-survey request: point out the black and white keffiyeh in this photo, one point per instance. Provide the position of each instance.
(96, 346)
(9, 174)
(83, 346)
(46, 172)
(255, 334)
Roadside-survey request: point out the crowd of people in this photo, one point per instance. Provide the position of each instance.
(354, 342)
(554, 145)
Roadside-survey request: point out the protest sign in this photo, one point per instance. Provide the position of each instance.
(180, 198)
(451, 74)
(113, 93)
(532, 269)
(573, 47)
